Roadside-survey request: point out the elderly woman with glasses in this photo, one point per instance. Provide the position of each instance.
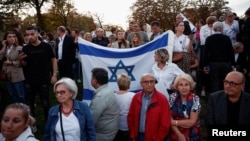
(185, 107)
(71, 119)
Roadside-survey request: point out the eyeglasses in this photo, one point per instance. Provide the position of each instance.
(62, 92)
(148, 82)
(231, 84)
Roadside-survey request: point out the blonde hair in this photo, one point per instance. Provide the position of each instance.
(186, 77)
(163, 53)
(123, 81)
(237, 45)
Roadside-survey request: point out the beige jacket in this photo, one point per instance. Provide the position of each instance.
(15, 71)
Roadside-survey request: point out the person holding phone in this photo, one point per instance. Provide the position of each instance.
(11, 64)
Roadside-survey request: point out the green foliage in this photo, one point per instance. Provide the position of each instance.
(165, 11)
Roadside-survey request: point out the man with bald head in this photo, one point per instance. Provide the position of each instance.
(231, 106)
(149, 113)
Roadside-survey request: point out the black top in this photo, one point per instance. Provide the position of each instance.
(218, 48)
(103, 42)
(38, 60)
(233, 112)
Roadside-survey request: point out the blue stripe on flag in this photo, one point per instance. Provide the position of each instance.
(86, 49)
(88, 94)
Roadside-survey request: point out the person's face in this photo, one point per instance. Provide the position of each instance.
(178, 18)
(58, 33)
(26, 39)
(32, 35)
(11, 39)
(135, 38)
(99, 33)
(230, 16)
(110, 40)
(183, 87)
(13, 123)
(155, 29)
(157, 58)
(180, 27)
(200, 24)
(131, 25)
(136, 27)
(148, 84)
(89, 37)
(233, 84)
(63, 94)
(94, 82)
(241, 49)
(120, 35)
(73, 33)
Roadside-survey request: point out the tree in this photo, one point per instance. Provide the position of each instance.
(63, 13)
(165, 11)
(17, 5)
(145, 11)
(201, 9)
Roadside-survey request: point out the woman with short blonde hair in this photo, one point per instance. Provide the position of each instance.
(185, 107)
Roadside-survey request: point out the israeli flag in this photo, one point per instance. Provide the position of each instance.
(132, 61)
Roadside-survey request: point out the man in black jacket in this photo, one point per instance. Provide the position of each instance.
(65, 52)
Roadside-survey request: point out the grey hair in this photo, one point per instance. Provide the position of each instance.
(69, 83)
(163, 53)
(237, 45)
(217, 26)
(186, 77)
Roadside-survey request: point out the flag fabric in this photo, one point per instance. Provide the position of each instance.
(192, 27)
(132, 61)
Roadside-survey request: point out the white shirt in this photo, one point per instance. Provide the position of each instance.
(205, 31)
(26, 135)
(181, 43)
(124, 101)
(167, 74)
(60, 47)
(71, 128)
(231, 30)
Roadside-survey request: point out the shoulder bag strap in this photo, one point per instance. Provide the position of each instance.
(61, 124)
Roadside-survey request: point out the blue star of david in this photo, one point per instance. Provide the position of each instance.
(120, 65)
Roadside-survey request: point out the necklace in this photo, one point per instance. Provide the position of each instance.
(66, 113)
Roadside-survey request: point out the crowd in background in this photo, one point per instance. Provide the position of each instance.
(212, 59)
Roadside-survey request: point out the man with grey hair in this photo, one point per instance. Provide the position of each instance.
(149, 115)
(100, 38)
(218, 56)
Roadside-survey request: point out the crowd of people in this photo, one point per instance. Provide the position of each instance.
(211, 61)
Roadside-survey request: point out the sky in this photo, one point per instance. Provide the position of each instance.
(116, 12)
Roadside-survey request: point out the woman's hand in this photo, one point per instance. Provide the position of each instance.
(8, 62)
(4, 43)
(181, 137)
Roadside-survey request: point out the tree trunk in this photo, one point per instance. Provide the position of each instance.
(40, 18)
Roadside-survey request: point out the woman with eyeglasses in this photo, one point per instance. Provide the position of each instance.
(185, 107)
(71, 120)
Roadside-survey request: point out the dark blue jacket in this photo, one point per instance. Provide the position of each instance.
(82, 113)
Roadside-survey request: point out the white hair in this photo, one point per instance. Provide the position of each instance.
(69, 83)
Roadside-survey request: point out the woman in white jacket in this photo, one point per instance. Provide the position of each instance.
(15, 124)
